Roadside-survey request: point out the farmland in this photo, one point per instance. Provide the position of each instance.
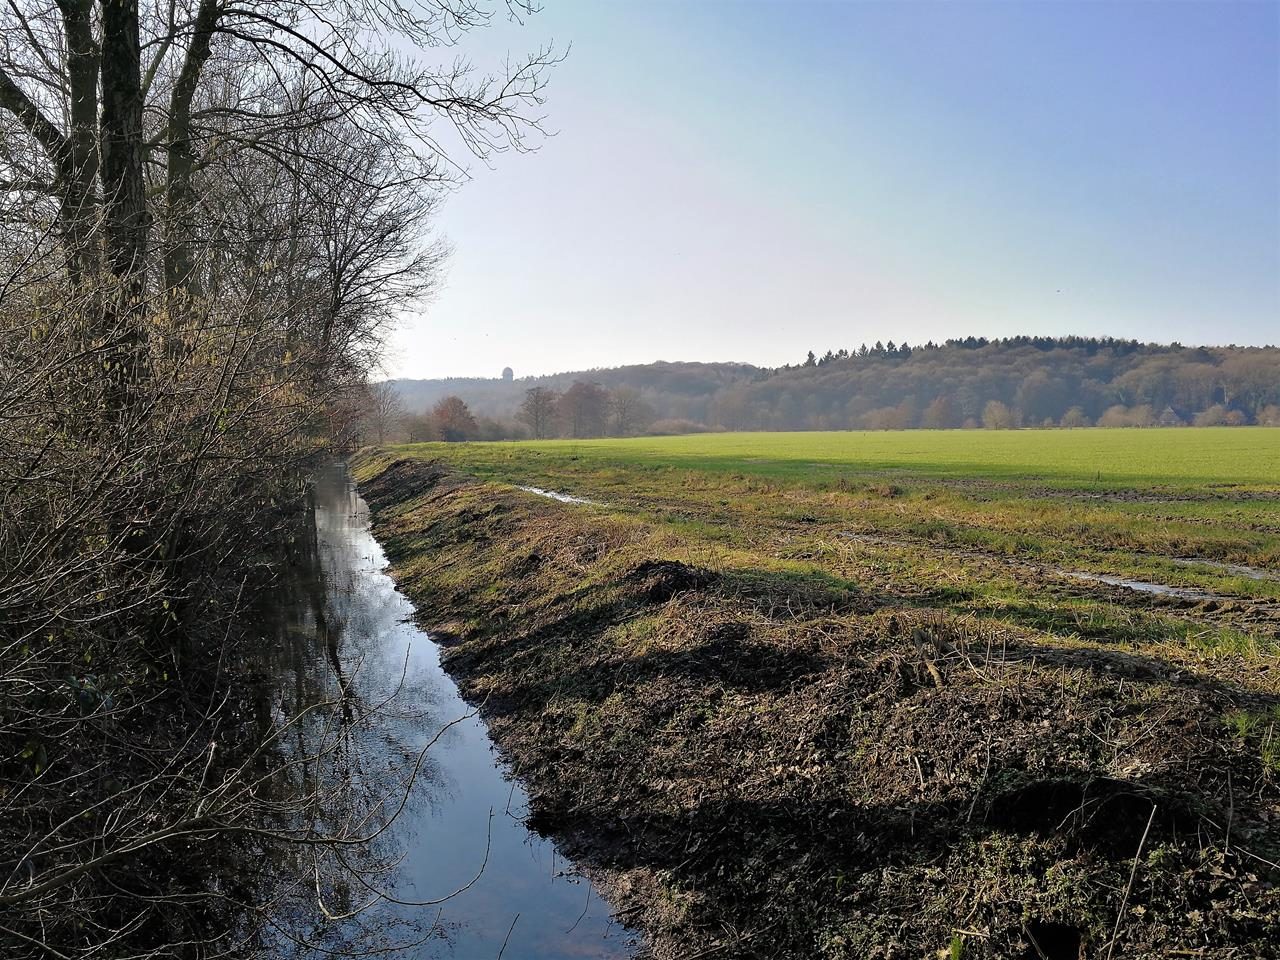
(1088, 459)
(877, 694)
(1132, 503)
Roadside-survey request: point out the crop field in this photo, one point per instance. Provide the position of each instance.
(978, 694)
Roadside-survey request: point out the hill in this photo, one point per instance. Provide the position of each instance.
(1032, 381)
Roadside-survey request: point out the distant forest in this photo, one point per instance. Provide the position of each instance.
(969, 383)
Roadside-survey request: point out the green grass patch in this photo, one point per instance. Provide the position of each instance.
(1226, 457)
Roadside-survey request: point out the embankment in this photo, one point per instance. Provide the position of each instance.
(759, 764)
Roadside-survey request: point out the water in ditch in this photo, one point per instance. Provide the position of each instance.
(351, 646)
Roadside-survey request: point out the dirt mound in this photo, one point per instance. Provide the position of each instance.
(660, 580)
(403, 480)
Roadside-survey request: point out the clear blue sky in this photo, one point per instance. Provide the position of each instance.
(750, 180)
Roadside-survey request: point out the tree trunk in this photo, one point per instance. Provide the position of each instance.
(124, 205)
(123, 187)
(180, 280)
(80, 170)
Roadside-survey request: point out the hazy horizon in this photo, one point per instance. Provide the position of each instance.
(732, 361)
(751, 180)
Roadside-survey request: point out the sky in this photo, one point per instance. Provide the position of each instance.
(750, 179)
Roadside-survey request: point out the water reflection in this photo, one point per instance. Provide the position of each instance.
(352, 644)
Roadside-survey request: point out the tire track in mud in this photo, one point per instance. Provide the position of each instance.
(1204, 603)
(1045, 491)
(1195, 604)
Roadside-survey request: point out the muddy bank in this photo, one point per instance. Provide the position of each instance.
(757, 764)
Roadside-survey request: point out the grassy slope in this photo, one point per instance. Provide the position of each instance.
(775, 740)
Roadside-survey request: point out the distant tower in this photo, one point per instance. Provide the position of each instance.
(507, 374)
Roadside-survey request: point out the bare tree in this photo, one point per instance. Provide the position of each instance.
(383, 410)
(628, 411)
(453, 420)
(213, 211)
(583, 409)
(940, 414)
(538, 410)
(997, 416)
(220, 81)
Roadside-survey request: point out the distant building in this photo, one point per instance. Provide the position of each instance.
(508, 374)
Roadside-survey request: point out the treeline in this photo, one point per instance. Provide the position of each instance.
(1019, 381)
(673, 391)
(585, 409)
(963, 383)
(212, 211)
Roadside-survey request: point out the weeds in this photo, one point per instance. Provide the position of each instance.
(1258, 728)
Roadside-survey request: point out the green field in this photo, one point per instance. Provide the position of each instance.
(1240, 457)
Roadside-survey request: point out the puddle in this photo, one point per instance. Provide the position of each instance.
(1236, 569)
(562, 497)
(1143, 586)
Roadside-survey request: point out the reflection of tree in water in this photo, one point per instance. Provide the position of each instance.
(384, 755)
(350, 734)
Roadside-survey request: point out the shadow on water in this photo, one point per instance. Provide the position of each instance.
(349, 641)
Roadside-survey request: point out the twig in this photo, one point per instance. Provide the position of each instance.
(1035, 944)
(1231, 811)
(986, 767)
(1133, 872)
(585, 906)
(508, 936)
